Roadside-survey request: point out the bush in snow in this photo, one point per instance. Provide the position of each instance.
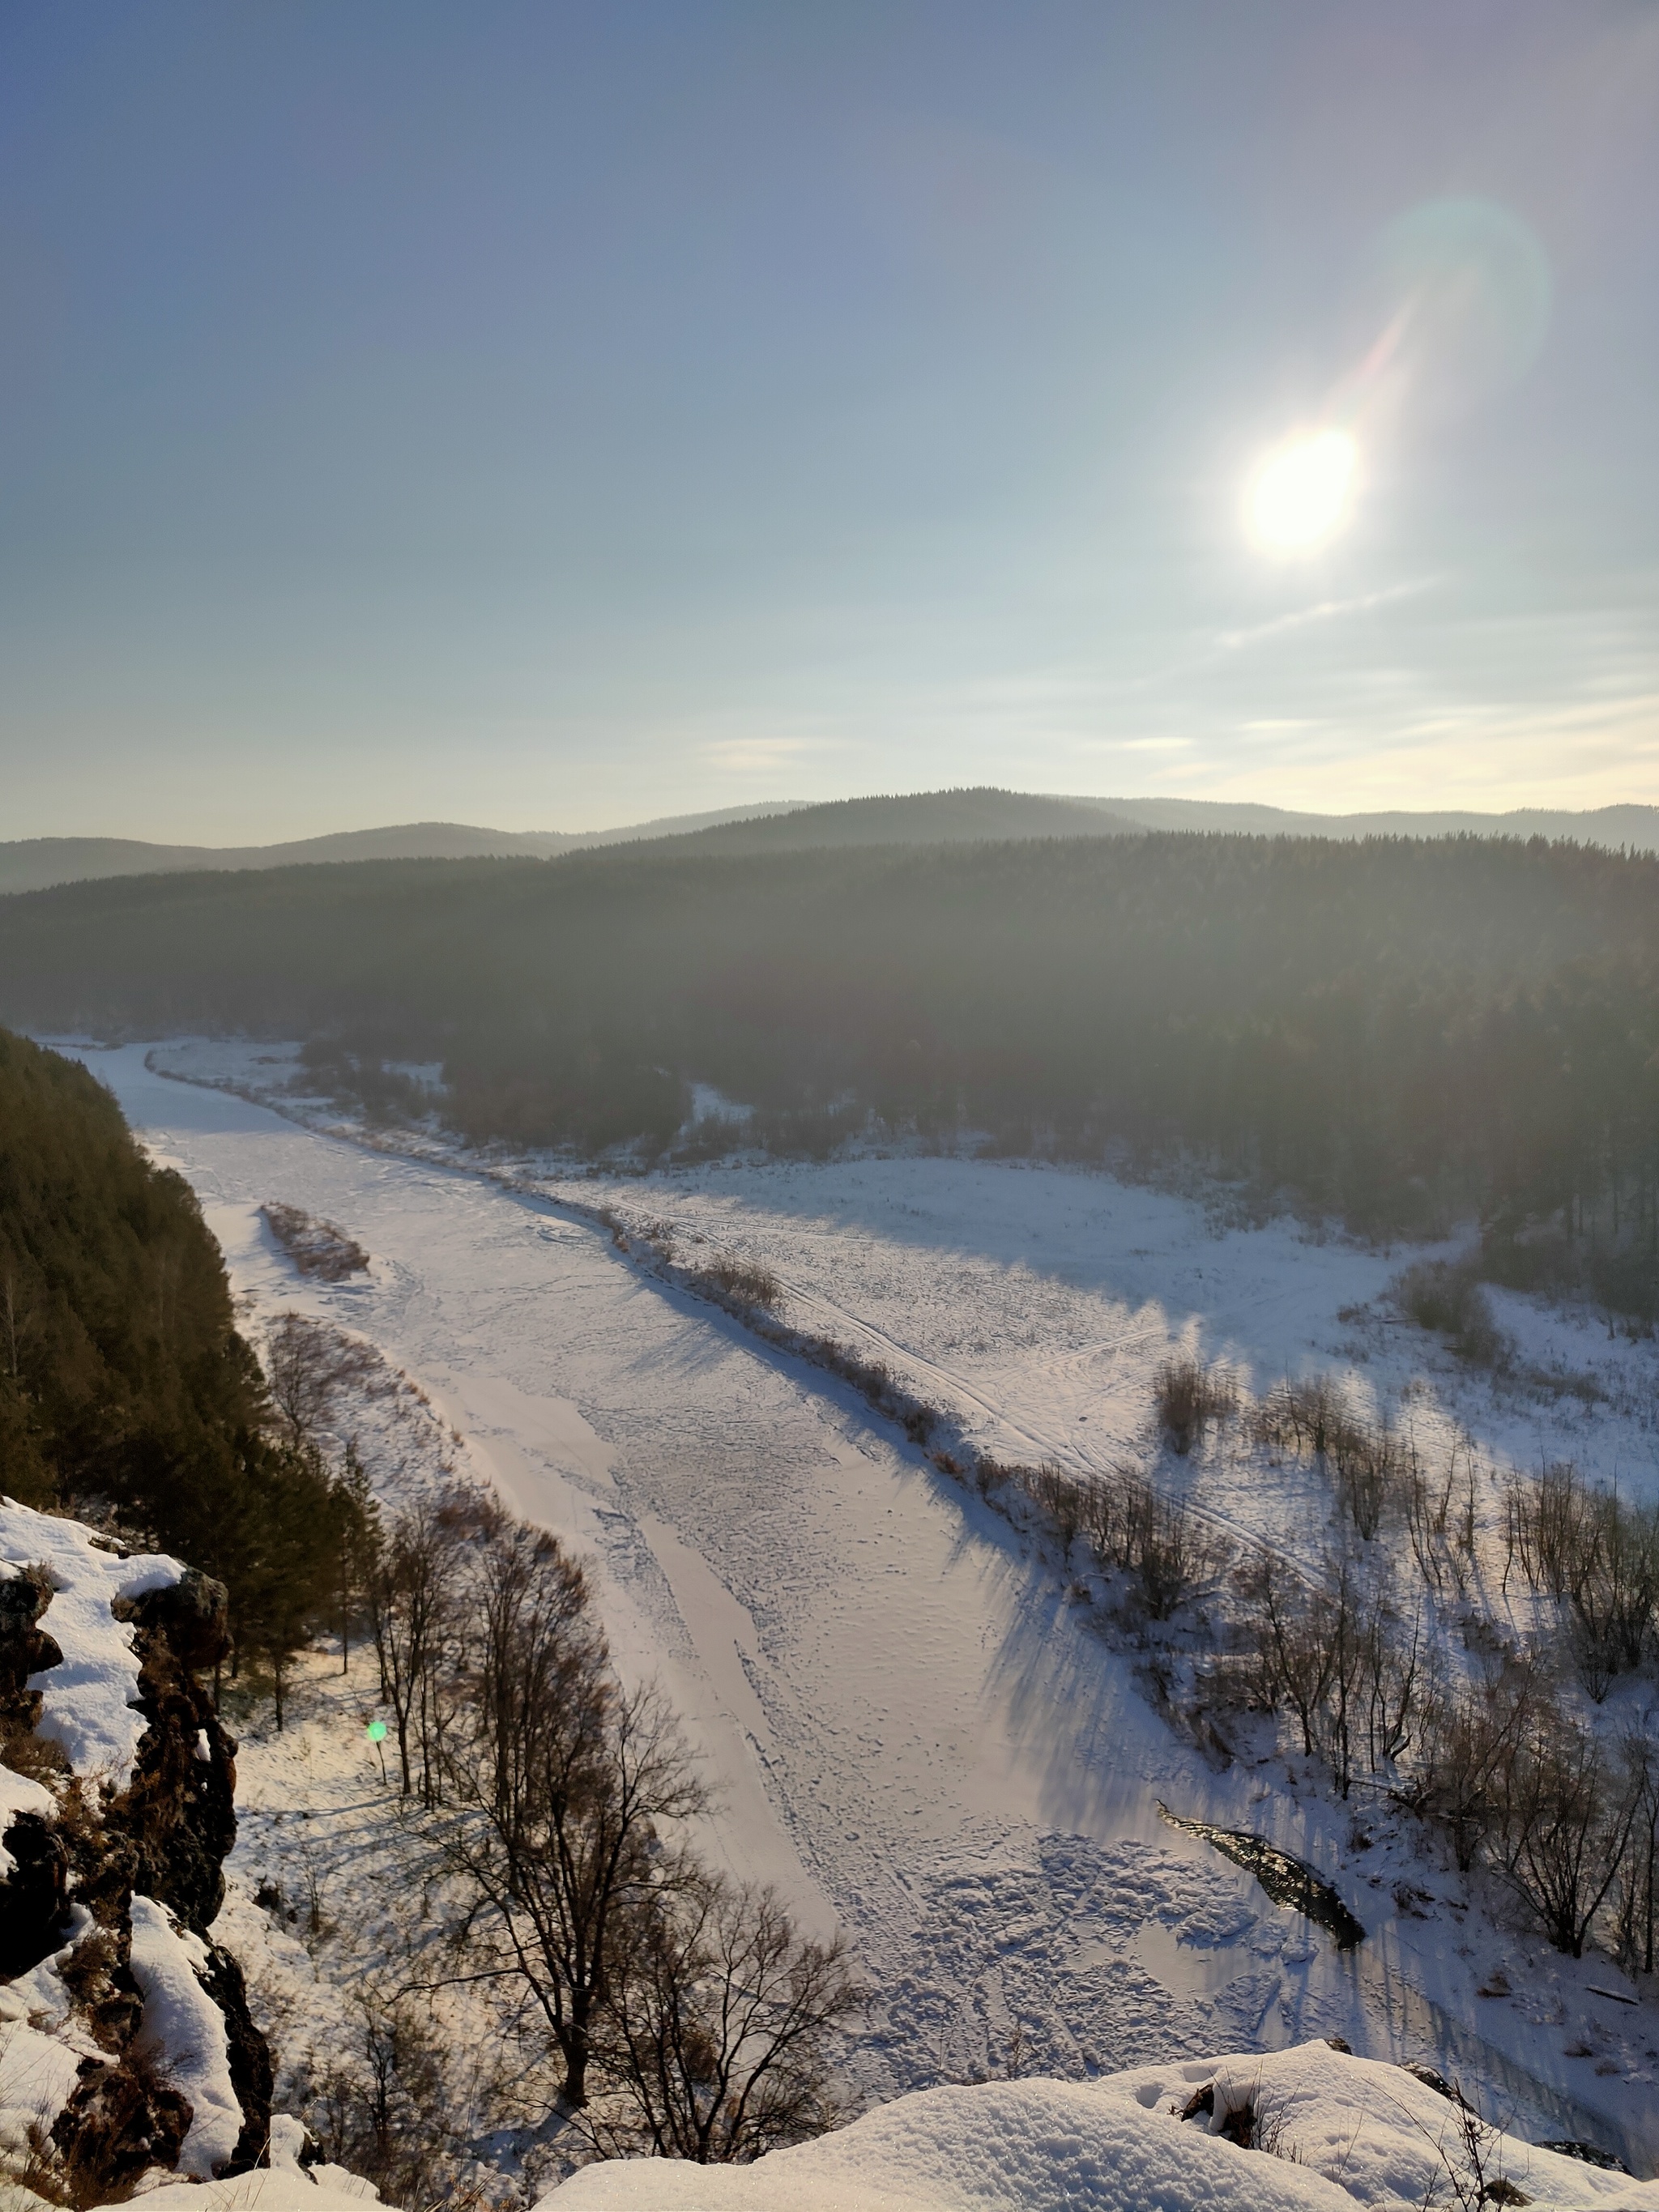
(1189, 1396)
(744, 1279)
(316, 1247)
(1448, 1299)
(1595, 1556)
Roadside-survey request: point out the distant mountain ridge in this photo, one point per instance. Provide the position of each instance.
(923, 817)
(32, 864)
(776, 826)
(1612, 826)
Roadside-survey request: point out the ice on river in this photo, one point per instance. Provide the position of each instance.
(913, 1733)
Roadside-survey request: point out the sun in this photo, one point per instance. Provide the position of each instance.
(1298, 497)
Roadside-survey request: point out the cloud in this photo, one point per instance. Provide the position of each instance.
(755, 755)
(1230, 641)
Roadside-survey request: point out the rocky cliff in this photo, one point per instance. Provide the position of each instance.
(126, 2040)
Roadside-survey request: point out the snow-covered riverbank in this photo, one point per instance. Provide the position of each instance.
(915, 1732)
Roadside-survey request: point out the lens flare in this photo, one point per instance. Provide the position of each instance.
(1299, 496)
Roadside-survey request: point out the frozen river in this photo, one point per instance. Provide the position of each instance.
(912, 1732)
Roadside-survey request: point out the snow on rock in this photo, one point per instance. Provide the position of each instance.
(126, 2045)
(1334, 2131)
(1383, 2135)
(88, 1701)
(1003, 2147)
(40, 2054)
(284, 2189)
(187, 2031)
(19, 1795)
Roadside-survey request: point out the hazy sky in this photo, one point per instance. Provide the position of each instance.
(555, 415)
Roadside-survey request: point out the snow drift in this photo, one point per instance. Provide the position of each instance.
(1310, 2129)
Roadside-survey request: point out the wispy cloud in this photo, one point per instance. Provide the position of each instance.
(1327, 610)
(752, 756)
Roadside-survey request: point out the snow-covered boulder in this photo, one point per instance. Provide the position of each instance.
(1304, 2130)
(126, 2040)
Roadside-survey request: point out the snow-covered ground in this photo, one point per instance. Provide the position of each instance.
(1304, 2130)
(915, 1732)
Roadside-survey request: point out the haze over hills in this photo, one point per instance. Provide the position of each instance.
(1635, 827)
(1330, 1018)
(930, 818)
(31, 864)
(917, 818)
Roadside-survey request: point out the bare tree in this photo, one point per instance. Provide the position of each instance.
(1468, 1747)
(410, 1585)
(1565, 1829)
(719, 2025)
(1294, 1659)
(308, 1365)
(16, 1316)
(1635, 1918)
(565, 1783)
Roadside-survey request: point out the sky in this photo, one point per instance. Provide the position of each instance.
(554, 415)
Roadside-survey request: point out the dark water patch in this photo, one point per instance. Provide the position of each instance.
(1288, 1882)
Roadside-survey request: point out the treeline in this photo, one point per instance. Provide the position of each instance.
(126, 1393)
(1396, 1031)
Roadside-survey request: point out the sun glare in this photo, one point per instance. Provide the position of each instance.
(1299, 496)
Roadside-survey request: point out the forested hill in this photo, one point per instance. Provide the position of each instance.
(32, 864)
(124, 1387)
(922, 817)
(1395, 1029)
(116, 1343)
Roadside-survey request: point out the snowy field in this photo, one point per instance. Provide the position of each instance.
(914, 1733)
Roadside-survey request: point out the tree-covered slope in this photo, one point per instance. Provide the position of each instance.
(1395, 1029)
(124, 1387)
(118, 1355)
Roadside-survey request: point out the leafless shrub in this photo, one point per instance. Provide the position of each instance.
(1596, 1555)
(1428, 1521)
(1171, 1557)
(1369, 1464)
(1189, 1396)
(747, 1279)
(1470, 2151)
(1566, 1821)
(388, 2100)
(316, 1246)
(875, 1383)
(1467, 1744)
(1447, 1298)
(1298, 1416)
(1358, 1684)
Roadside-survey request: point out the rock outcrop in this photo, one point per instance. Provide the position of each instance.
(126, 2044)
